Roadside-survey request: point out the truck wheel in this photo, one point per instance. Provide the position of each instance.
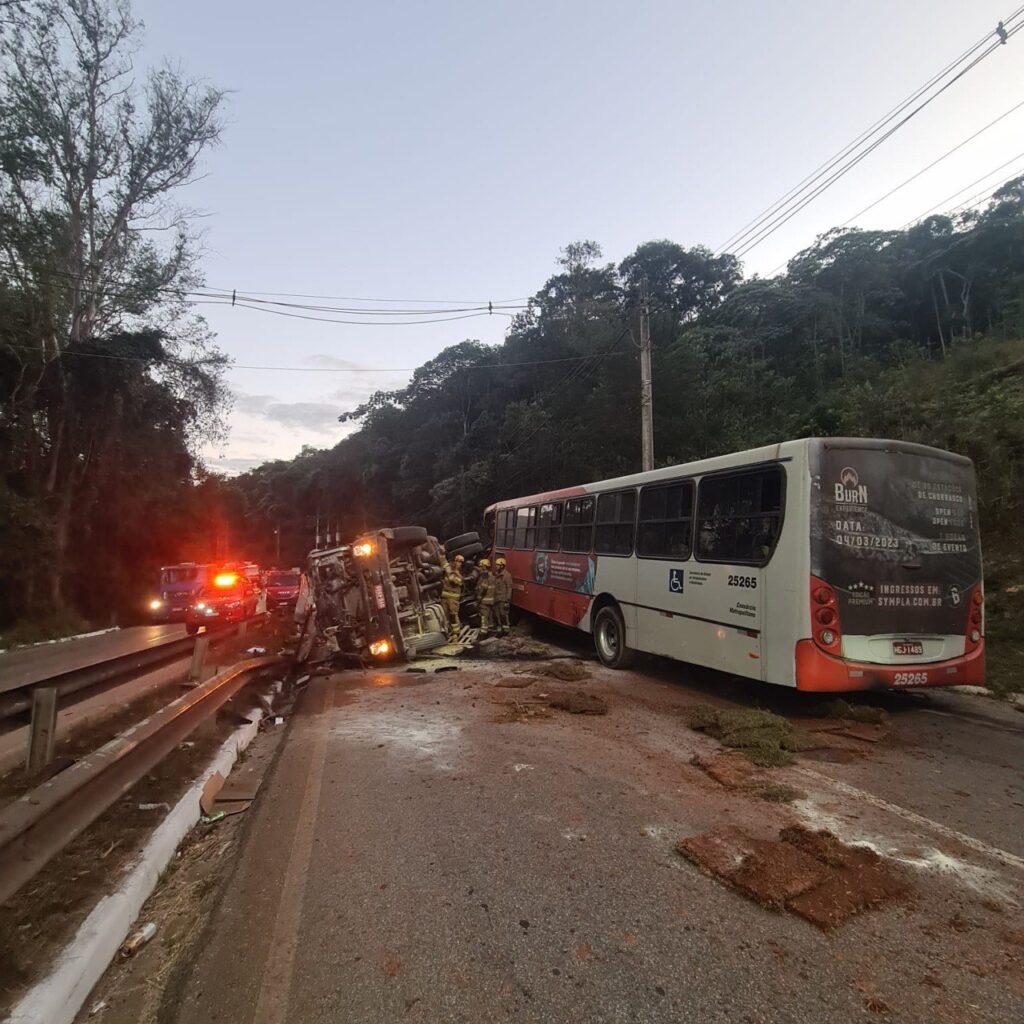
(610, 638)
(430, 574)
(408, 536)
(467, 552)
(452, 546)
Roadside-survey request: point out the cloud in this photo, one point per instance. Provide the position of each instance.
(231, 466)
(325, 362)
(321, 417)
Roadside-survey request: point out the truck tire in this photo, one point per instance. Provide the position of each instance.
(463, 539)
(610, 638)
(408, 536)
(430, 574)
(467, 552)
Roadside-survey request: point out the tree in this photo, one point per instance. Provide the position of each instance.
(93, 245)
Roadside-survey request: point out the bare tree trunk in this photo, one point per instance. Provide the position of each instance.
(938, 321)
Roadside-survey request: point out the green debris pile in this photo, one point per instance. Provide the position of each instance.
(840, 708)
(767, 739)
(568, 671)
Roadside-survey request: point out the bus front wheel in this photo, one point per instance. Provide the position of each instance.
(610, 638)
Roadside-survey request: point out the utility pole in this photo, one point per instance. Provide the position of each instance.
(646, 389)
(277, 539)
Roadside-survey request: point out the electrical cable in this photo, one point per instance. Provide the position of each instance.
(949, 152)
(308, 369)
(796, 200)
(787, 215)
(949, 199)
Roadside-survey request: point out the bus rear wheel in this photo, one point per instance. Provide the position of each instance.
(610, 638)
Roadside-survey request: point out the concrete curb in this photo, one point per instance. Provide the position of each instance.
(59, 996)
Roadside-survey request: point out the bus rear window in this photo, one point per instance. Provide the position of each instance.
(739, 516)
(895, 533)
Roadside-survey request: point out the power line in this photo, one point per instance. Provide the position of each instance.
(798, 198)
(232, 297)
(849, 147)
(313, 369)
(949, 199)
(770, 228)
(949, 152)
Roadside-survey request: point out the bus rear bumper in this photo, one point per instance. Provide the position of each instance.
(822, 673)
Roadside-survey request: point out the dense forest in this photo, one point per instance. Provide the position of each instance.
(108, 375)
(908, 334)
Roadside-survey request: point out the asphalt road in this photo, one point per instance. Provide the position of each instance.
(413, 858)
(31, 664)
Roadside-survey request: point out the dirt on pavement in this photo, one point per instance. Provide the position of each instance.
(811, 874)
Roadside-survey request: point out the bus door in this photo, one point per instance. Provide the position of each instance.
(739, 517)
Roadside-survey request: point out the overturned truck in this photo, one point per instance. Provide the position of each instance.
(380, 596)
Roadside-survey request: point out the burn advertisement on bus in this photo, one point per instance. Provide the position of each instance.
(895, 534)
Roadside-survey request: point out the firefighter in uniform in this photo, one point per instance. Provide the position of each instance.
(501, 588)
(485, 595)
(451, 595)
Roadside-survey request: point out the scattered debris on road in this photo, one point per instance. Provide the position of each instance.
(517, 682)
(512, 647)
(843, 709)
(138, 939)
(767, 739)
(516, 710)
(579, 703)
(811, 874)
(568, 671)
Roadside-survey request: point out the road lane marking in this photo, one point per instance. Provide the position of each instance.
(978, 845)
(272, 1002)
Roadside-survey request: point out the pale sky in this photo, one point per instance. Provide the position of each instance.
(447, 151)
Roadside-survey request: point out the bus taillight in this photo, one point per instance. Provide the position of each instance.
(825, 617)
(975, 617)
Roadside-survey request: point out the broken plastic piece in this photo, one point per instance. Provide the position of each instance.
(278, 720)
(256, 650)
(154, 807)
(447, 668)
(138, 939)
(209, 819)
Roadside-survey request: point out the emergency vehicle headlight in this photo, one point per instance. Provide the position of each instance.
(156, 604)
(975, 636)
(380, 648)
(827, 637)
(363, 550)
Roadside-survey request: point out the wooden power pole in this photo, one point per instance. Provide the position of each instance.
(646, 388)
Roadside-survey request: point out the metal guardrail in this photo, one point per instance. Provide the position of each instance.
(19, 700)
(41, 823)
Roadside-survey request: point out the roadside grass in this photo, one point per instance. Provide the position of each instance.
(1004, 624)
(767, 739)
(34, 631)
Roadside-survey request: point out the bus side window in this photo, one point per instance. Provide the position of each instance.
(506, 528)
(739, 516)
(616, 516)
(578, 524)
(525, 532)
(549, 518)
(666, 521)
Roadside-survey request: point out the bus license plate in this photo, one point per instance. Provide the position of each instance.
(905, 647)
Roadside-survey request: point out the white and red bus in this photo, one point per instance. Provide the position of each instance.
(823, 563)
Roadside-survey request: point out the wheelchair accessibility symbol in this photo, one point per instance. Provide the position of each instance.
(675, 581)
